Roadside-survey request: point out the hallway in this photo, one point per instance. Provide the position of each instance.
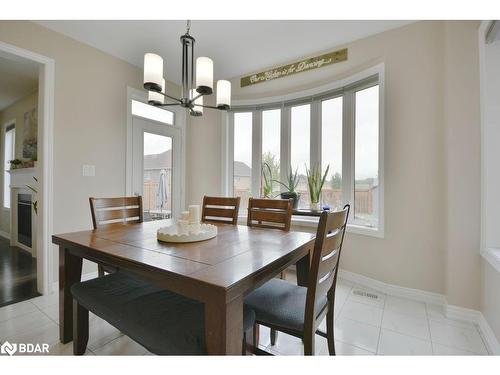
(17, 274)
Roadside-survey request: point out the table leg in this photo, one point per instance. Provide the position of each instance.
(70, 272)
(224, 326)
(303, 266)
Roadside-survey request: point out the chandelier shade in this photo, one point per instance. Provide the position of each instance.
(195, 83)
(153, 72)
(198, 103)
(223, 94)
(156, 98)
(204, 75)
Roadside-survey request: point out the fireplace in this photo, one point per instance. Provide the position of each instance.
(24, 234)
(23, 220)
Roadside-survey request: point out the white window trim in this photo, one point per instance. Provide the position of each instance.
(4, 130)
(347, 170)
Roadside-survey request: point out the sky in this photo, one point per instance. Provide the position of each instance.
(156, 144)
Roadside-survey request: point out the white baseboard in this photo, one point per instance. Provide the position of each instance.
(451, 311)
(488, 335)
(5, 234)
(393, 290)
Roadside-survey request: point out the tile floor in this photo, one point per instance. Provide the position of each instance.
(386, 325)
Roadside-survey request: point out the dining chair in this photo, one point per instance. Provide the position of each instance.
(270, 213)
(105, 211)
(164, 322)
(220, 209)
(273, 214)
(298, 310)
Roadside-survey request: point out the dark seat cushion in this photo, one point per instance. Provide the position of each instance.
(281, 303)
(162, 321)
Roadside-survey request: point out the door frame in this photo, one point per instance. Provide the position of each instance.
(46, 82)
(179, 123)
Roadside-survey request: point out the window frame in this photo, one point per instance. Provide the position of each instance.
(346, 88)
(9, 124)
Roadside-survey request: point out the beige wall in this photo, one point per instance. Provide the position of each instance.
(490, 85)
(89, 119)
(414, 252)
(463, 164)
(14, 112)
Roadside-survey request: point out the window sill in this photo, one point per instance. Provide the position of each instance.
(313, 223)
(492, 256)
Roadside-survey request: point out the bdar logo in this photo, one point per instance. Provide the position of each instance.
(8, 348)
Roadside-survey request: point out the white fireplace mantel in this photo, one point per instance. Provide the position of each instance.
(19, 178)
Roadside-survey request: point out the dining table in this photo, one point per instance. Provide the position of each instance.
(219, 272)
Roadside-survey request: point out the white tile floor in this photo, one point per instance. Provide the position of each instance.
(386, 325)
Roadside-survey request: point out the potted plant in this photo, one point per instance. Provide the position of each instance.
(315, 183)
(290, 185)
(16, 164)
(267, 178)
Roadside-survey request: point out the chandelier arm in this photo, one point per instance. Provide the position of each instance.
(196, 97)
(166, 104)
(170, 97)
(211, 107)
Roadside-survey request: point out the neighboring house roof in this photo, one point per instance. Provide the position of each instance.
(158, 161)
(241, 169)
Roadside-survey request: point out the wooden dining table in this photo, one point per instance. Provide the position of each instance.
(219, 272)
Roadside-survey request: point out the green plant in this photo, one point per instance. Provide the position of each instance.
(291, 182)
(267, 187)
(16, 163)
(315, 181)
(35, 203)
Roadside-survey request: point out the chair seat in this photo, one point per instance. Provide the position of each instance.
(281, 304)
(163, 322)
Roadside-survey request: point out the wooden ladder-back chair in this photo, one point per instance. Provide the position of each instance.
(105, 211)
(270, 213)
(220, 210)
(297, 310)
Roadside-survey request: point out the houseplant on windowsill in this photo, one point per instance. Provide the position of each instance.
(315, 183)
(290, 185)
(267, 178)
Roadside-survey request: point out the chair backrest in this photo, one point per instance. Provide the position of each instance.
(270, 213)
(325, 259)
(116, 210)
(220, 209)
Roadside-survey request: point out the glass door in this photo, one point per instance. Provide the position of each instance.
(156, 168)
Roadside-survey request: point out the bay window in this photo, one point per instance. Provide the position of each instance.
(337, 127)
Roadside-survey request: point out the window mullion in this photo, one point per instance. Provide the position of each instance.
(285, 144)
(256, 152)
(229, 162)
(315, 145)
(348, 148)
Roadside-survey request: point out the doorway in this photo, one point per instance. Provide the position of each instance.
(26, 257)
(155, 157)
(156, 168)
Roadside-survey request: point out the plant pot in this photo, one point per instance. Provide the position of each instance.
(294, 196)
(316, 206)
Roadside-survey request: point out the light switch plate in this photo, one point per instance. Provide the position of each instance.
(88, 170)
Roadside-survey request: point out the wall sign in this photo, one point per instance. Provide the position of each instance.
(296, 67)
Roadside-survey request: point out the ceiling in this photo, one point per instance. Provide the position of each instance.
(237, 47)
(18, 78)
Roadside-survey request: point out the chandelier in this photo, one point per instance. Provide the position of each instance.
(191, 95)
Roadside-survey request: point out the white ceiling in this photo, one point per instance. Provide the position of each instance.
(237, 47)
(18, 78)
